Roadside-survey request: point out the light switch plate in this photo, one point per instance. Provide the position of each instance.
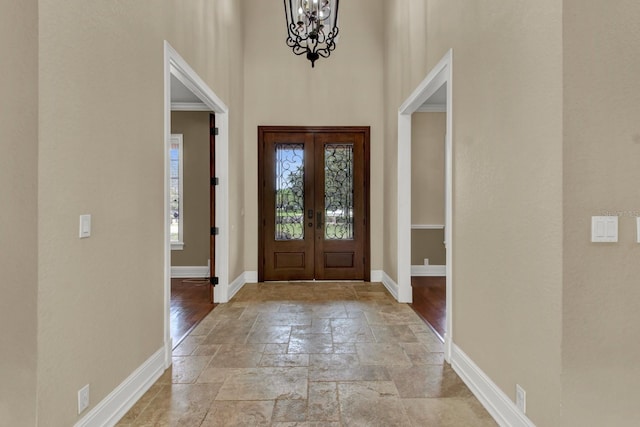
(85, 226)
(604, 229)
(638, 229)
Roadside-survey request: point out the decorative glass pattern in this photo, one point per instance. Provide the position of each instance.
(338, 188)
(289, 191)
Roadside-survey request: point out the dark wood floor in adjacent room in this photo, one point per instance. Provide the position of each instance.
(190, 303)
(430, 301)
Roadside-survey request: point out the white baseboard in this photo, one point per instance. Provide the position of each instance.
(183, 272)
(428, 270)
(427, 226)
(376, 275)
(113, 407)
(391, 286)
(239, 282)
(250, 277)
(498, 404)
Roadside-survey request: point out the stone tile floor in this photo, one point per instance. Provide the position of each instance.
(309, 354)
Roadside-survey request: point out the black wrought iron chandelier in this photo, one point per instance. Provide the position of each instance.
(312, 27)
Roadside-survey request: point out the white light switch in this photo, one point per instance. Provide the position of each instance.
(85, 226)
(638, 229)
(604, 229)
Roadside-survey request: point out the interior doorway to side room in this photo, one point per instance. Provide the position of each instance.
(190, 213)
(428, 252)
(200, 97)
(433, 94)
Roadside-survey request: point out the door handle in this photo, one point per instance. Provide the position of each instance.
(319, 220)
(310, 214)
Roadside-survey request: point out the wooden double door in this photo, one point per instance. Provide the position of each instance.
(313, 203)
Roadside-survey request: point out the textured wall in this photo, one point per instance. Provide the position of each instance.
(343, 90)
(101, 116)
(601, 320)
(507, 207)
(18, 227)
(194, 127)
(405, 65)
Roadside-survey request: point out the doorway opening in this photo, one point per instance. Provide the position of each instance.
(178, 72)
(313, 203)
(192, 203)
(434, 90)
(428, 252)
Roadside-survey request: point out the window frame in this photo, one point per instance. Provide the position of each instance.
(177, 138)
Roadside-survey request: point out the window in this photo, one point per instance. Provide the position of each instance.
(176, 212)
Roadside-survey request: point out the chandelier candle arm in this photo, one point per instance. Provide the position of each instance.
(312, 27)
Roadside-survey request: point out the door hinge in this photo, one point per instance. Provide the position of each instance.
(214, 131)
(214, 231)
(215, 181)
(213, 280)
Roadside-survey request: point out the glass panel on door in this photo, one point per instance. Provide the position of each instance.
(338, 187)
(289, 188)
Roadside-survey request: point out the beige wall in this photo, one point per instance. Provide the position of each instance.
(18, 227)
(101, 127)
(194, 127)
(507, 142)
(405, 65)
(531, 150)
(427, 186)
(601, 320)
(428, 244)
(282, 89)
(427, 168)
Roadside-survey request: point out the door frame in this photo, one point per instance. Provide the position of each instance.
(175, 65)
(212, 205)
(367, 178)
(441, 74)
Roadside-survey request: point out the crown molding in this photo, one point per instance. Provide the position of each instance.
(189, 106)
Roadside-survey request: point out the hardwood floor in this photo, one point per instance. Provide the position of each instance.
(430, 301)
(190, 303)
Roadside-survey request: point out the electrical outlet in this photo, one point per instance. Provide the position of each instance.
(83, 398)
(426, 261)
(521, 398)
